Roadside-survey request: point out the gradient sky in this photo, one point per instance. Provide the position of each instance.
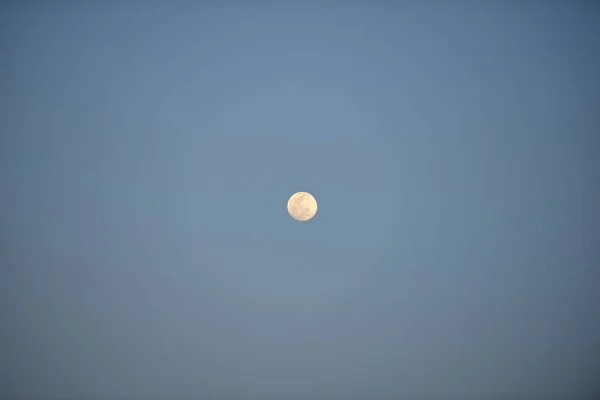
(148, 150)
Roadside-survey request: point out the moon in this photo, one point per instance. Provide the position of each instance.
(302, 206)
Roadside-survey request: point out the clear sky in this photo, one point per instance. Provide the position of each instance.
(148, 150)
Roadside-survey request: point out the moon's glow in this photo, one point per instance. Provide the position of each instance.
(302, 206)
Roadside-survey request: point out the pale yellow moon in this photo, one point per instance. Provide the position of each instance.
(302, 206)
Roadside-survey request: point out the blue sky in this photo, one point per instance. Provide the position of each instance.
(148, 150)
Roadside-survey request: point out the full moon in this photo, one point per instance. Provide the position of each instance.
(302, 206)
